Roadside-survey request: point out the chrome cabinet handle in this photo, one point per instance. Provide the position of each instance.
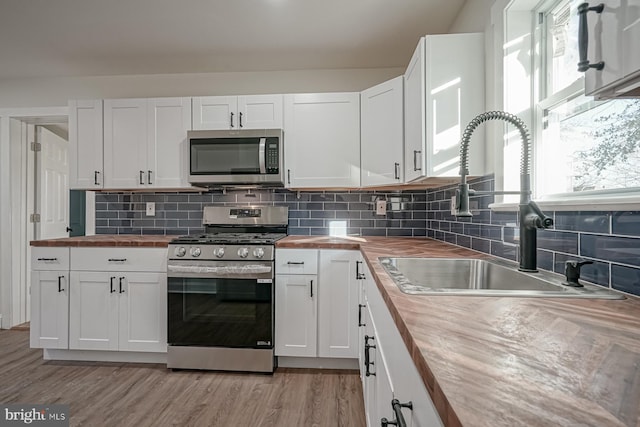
(111, 290)
(397, 411)
(149, 177)
(415, 160)
(60, 283)
(583, 37)
(141, 177)
(396, 170)
(232, 120)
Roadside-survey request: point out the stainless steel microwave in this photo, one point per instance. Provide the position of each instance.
(236, 157)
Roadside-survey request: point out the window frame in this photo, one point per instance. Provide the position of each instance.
(591, 200)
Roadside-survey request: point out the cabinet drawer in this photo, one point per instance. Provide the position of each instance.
(119, 259)
(296, 261)
(51, 259)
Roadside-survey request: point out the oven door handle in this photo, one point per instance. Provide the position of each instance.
(245, 271)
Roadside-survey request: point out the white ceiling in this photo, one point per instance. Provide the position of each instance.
(112, 37)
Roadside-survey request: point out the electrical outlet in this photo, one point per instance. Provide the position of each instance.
(453, 205)
(381, 207)
(151, 209)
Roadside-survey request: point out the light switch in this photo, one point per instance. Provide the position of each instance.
(381, 207)
(151, 209)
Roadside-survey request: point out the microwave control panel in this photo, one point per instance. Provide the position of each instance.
(272, 154)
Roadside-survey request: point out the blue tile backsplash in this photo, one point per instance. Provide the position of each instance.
(611, 239)
(311, 214)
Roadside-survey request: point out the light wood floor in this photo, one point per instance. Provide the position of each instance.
(124, 394)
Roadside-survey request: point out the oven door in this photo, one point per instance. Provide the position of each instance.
(221, 304)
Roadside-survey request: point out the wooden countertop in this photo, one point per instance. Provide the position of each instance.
(506, 361)
(107, 240)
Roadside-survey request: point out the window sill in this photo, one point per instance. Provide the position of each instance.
(597, 200)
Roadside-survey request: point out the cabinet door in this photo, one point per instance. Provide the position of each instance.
(125, 143)
(260, 112)
(215, 112)
(338, 304)
(49, 309)
(85, 137)
(143, 312)
(382, 130)
(168, 121)
(414, 115)
(93, 311)
(631, 37)
(296, 315)
(605, 44)
(322, 140)
(454, 96)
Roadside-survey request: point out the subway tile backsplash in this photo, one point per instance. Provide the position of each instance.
(311, 214)
(611, 239)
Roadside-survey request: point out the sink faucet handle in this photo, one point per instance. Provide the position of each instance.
(572, 272)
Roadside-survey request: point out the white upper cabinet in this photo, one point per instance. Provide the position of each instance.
(443, 92)
(86, 139)
(125, 143)
(322, 140)
(168, 121)
(614, 38)
(382, 123)
(237, 112)
(145, 142)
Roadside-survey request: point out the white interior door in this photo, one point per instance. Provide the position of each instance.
(53, 186)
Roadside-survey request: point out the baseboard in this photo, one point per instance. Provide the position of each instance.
(316, 363)
(104, 356)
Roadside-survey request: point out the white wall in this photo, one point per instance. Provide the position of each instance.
(474, 17)
(45, 92)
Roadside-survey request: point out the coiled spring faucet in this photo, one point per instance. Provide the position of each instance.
(530, 216)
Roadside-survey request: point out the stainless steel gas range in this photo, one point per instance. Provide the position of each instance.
(221, 291)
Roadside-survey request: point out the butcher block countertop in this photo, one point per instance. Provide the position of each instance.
(107, 240)
(508, 361)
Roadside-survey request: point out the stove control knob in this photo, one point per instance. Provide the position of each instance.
(218, 252)
(195, 252)
(243, 252)
(180, 251)
(258, 252)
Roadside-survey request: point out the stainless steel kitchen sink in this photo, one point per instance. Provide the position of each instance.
(477, 277)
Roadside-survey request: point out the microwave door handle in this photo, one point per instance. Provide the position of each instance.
(261, 155)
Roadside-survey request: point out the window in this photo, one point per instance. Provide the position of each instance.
(581, 144)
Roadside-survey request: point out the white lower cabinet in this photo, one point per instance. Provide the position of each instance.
(338, 305)
(396, 376)
(118, 311)
(118, 299)
(316, 312)
(296, 315)
(49, 327)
